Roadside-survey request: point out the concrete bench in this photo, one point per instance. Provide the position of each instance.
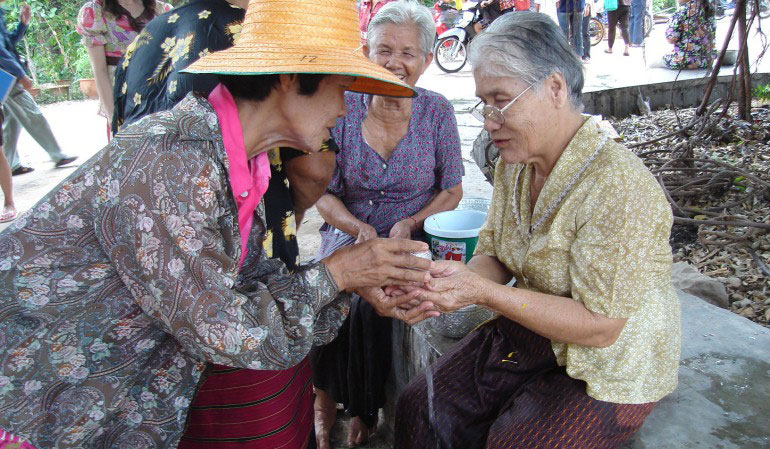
(723, 397)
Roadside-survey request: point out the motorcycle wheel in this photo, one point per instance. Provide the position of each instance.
(595, 31)
(450, 54)
(647, 24)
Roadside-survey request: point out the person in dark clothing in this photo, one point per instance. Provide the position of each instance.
(570, 15)
(615, 18)
(20, 108)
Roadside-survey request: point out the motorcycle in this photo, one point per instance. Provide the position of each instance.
(444, 17)
(451, 50)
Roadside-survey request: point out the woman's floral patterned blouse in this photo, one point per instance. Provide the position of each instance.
(599, 235)
(119, 285)
(98, 27)
(695, 35)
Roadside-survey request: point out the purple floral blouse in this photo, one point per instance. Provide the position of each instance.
(382, 192)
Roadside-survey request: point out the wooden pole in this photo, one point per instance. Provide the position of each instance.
(744, 69)
(718, 63)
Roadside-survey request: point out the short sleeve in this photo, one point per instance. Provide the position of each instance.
(449, 169)
(485, 246)
(621, 249)
(91, 24)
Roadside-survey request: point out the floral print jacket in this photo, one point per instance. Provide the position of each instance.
(119, 285)
(695, 34)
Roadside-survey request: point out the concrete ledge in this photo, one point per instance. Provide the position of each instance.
(621, 102)
(723, 397)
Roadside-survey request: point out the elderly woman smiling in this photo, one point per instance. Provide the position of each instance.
(148, 261)
(588, 340)
(399, 162)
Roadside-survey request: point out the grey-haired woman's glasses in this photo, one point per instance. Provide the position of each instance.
(492, 112)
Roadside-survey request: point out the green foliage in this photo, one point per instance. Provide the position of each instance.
(762, 92)
(51, 45)
(661, 5)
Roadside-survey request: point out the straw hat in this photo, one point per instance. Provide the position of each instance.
(302, 36)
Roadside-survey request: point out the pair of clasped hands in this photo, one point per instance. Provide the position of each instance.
(398, 284)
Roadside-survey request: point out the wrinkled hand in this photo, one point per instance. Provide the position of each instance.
(453, 286)
(377, 263)
(402, 229)
(25, 14)
(365, 233)
(404, 307)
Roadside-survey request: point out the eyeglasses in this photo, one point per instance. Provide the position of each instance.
(492, 112)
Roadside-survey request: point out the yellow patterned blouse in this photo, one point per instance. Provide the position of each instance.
(598, 234)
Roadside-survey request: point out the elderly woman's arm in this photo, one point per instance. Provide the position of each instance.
(555, 317)
(334, 212)
(171, 235)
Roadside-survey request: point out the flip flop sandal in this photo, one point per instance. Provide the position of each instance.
(8, 216)
(21, 170)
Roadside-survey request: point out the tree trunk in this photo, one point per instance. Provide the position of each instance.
(744, 68)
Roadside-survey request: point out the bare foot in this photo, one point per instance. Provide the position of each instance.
(325, 413)
(9, 214)
(358, 432)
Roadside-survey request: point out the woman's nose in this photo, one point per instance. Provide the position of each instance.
(491, 125)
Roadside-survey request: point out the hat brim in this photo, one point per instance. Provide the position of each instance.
(268, 60)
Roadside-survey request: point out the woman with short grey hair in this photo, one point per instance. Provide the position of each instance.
(404, 13)
(399, 162)
(588, 340)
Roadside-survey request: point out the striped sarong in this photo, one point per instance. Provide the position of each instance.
(500, 387)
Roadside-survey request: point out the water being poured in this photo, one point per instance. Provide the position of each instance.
(425, 361)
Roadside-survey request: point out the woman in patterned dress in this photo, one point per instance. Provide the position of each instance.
(692, 30)
(149, 261)
(588, 339)
(108, 27)
(399, 162)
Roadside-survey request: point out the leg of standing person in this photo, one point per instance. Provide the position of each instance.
(586, 38)
(563, 19)
(23, 108)
(577, 31)
(612, 24)
(623, 11)
(6, 183)
(636, 20)
(11, 131)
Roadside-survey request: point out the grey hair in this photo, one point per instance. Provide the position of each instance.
(404, 13)
(529, 46)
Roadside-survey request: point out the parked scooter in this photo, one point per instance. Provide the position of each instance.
(451, 51)
(444, 17)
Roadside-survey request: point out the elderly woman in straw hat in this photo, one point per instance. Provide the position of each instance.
(588, 340)
(399, 162)
(147, 262)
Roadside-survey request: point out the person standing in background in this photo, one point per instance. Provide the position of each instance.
(636, 22)
(618, 17)
(108, 27)
(570, 15)
(20, 108)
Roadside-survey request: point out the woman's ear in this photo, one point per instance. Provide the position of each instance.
(365, 49)
(557, 90)
(287, 82)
